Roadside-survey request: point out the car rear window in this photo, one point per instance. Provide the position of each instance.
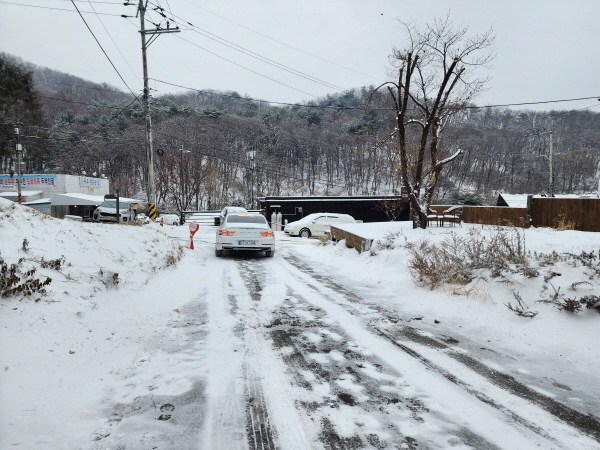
(242, 218)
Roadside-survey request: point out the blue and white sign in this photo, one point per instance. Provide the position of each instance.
(27, 181)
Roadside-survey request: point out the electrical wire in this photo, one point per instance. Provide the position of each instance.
(113, 41)
(534, 103)
(297, 105)
(250, 53)
(246, 68)
(280, 42)
(101, 48)
(82, 86)
(58, 9)
(362, 108)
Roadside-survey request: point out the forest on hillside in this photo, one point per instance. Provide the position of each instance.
(328, 146)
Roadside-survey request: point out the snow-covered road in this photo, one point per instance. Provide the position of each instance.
(317, 347)
(284, 353)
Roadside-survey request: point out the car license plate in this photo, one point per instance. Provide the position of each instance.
(246, 242)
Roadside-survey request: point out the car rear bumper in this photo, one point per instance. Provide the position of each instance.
(259, 245)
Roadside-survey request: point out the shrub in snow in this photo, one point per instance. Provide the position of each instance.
(15, 280)
(456, 258)
(388, 242)
(591, 301)
(520, 309)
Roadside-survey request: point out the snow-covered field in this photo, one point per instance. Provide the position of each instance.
(318, 347)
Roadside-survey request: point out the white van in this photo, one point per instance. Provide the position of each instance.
(317, 224)
(107, 212)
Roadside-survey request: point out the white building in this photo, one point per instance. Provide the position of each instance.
(38, 190)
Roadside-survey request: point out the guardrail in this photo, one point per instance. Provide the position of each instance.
(206, 217)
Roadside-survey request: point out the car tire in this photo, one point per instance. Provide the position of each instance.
(218, 253)
(124, 219)
(269, 253)
(304, 233)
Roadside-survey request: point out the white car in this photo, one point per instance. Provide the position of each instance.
(247, 232)
(107, 212)
(317, 224)
(229, 210)
(169, 219)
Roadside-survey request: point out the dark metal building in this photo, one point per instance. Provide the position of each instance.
(367, 208)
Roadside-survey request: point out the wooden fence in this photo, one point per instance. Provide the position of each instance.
(495, 215)
(562, 213)
(582, 214)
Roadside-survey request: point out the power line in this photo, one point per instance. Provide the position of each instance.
(267, 101)
(362, 108)
(79, 103)
(280, 42)
(534, 103)
(101, 48)
(82, 86)
(58, 9)
(252, 54)
(246, 68)
(113, 41)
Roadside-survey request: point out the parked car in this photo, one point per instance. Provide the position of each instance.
(169, 219)
(245, 232)
(317, 224)
(229, 210)
(107, 212)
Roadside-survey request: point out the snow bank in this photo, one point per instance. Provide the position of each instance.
(479, 308)
(56, 352)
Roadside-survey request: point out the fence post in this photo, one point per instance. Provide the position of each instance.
(529, 217)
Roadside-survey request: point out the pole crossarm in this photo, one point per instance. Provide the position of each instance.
(155, 33)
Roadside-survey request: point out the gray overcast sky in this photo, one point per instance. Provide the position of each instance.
(546, 49)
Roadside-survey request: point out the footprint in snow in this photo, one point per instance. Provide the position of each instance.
(167, 408)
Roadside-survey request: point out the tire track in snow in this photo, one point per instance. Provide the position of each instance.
(347, 383)
(379, 317)
(265, 382)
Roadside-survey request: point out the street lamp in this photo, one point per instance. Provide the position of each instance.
(19, 149)
(250, 156)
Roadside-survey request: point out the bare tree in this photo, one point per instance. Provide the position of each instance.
(435, 81)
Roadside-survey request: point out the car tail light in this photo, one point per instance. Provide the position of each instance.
(226, 233)
(267, 234)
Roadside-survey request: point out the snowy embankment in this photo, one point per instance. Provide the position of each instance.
(92, 348)
(479, 307)
(106, 297)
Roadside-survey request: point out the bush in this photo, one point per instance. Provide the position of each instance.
(15, 280)
(456, 258)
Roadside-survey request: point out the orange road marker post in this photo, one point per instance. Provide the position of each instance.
(194, 226)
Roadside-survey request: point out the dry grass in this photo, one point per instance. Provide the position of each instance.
(456, 259)
(561, 224)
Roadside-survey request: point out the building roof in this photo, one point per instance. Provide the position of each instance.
(84, 199)
(76, 199)
(512, 200)
(520, 200)
(24, 193)
(39, 201)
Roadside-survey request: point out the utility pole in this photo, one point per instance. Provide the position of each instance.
(551, 180)
(549, 157)
(181, 201)
(151, 189)
(19, 149)
(252, 165)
